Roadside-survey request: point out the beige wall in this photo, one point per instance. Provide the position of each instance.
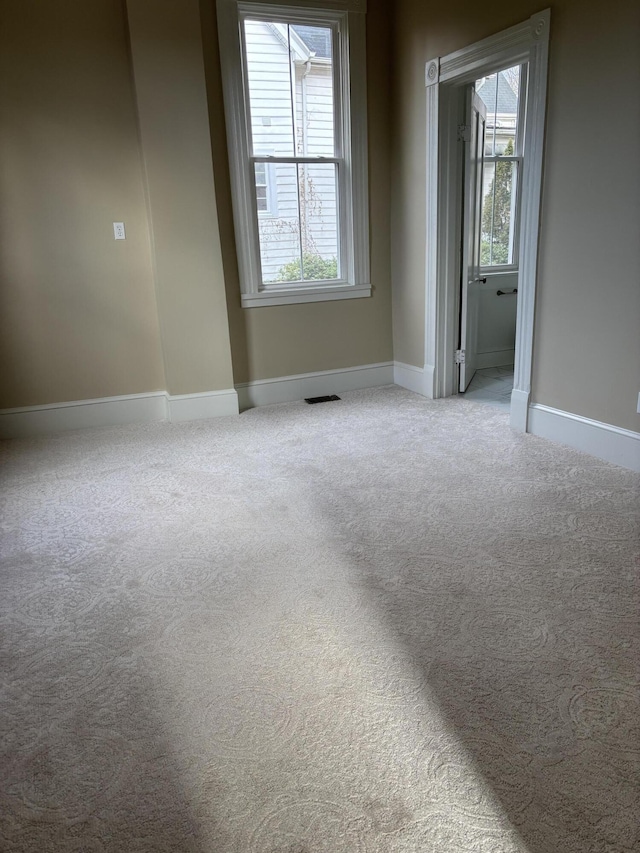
(168, 72)
(587, 343)
(77, 310)
(105, 117)
(284, 340)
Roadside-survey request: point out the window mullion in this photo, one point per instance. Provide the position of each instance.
(522, 102)
(497, 158)
(493, 211)
(245, 85)
(338, 123)
(299, 222)
(267, 158)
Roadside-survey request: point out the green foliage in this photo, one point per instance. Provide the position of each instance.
(315, 267)
(494, 249)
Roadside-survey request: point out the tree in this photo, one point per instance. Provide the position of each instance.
(316, 268)
(496, 214)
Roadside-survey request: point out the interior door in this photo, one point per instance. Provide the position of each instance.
(471, 233)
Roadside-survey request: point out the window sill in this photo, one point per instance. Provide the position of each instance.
(498, 271)
(287, 296)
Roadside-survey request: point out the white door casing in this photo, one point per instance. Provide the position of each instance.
(474, 131)
(526, 42)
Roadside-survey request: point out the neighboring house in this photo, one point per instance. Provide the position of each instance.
(297, 205)
(499, 92)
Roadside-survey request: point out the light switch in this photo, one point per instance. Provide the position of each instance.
(118, 231)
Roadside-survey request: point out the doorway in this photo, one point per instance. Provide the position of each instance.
(448, 83)
(493, 158)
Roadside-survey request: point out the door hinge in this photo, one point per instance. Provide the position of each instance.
(464, 133)
(459, 356)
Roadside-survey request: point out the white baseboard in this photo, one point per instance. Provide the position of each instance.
(417, 379)
(430, 381)
(519, 410)
(497, 358)
(80, 414)
(288, 389)
(115, 411)
(611, 443)
(209, 404)
(409, 376)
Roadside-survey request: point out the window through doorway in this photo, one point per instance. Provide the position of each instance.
(503, 94)
(488, 327)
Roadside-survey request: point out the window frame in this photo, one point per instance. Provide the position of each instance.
(347, 21)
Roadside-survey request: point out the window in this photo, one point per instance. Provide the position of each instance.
(262, 188)
(295, 98)
(266, 199)
(503, 152)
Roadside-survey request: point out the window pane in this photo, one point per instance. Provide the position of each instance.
(319, 215)
(263, 194)
(314, 92)
(280, 234)
(261, 199)
(300, 241)
(498, 206)
(500, 93)
(290, 79)
(269, 79)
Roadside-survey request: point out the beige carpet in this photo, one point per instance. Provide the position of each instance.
(381, 625)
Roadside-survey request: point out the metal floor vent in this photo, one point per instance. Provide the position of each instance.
(321, 399)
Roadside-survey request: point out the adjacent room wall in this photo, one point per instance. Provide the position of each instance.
(497, 319)
(290, 339)
(586, 346)
(78, 317)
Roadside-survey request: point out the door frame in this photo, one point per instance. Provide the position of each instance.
(444, 79)
(475, 122)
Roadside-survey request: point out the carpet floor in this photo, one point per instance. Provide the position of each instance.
(378, 625)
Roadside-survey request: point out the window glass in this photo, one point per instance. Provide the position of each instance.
(262, 188)
(498, 202)
(301, 243)
(290, 82)
(500, 93)
(280, 236)
(297, 141)
(269, 83)
(314, 94)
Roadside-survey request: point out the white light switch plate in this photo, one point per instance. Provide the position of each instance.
(118, 231)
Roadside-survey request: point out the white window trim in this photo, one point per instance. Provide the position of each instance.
(354, 223)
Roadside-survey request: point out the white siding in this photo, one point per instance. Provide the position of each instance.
(269, 73)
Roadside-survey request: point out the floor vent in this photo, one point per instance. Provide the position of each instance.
(321, 399)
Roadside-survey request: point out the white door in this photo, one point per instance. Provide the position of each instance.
(474, 148)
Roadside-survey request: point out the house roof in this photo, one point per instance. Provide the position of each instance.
(317, 39)
(507, 98)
